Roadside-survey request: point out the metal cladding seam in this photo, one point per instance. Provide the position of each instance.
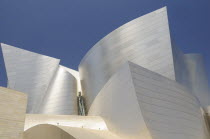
(61, 96)
(144, 41)
(138, 103)
(190, 72)
(30, 73)
(34, 75)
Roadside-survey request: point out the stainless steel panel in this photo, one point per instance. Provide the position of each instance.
(190, 72)
(198, 79)
(50, 88)
(169, 108)
(61, 96)
(30, 73)
(144, 41)
(139, 103)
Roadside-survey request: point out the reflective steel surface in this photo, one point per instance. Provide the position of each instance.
(61, 96)
(198, 79)
(169, 108)
(138, 83)
(190, 72)
(51, 88)
(142, 104)
(30, 73)
(144, 41)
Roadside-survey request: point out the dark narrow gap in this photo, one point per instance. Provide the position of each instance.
(81, 105)
(3, 76)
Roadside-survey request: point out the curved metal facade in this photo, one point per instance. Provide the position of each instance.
(30, 73)
(144, 41)
(198, 81)
(138, 103)
(61, 97)
(50, 87)
(140, 84)
(170, 109)
(190, 72)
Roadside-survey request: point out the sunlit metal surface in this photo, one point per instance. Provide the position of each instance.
(30, 73)
(76, 75)
(51, 88)
(190, 72)
(198, 79)
(136, 84)
(169, 108)
(144, 41)
(61, 96)
(142, 104)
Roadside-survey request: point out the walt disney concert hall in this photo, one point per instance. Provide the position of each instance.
(135, 83)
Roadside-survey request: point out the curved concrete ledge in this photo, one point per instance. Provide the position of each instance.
(87, 122)
(46, 131)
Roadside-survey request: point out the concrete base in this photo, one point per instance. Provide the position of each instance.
(12, 113)
(46, 132)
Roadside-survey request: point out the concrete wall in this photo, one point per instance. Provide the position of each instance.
(12, 113)
(42, 126)
(46, 132)
(86, 122)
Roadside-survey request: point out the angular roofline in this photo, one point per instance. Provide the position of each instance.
(95, 46)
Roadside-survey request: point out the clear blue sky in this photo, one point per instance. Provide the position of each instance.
(67, 29)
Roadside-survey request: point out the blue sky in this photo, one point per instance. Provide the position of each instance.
(67, 29)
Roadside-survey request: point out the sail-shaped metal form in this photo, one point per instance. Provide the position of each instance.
(61, 96)
(190, 72)
(135, 79)
(144, 41)
(138, 103)
(34, 75)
